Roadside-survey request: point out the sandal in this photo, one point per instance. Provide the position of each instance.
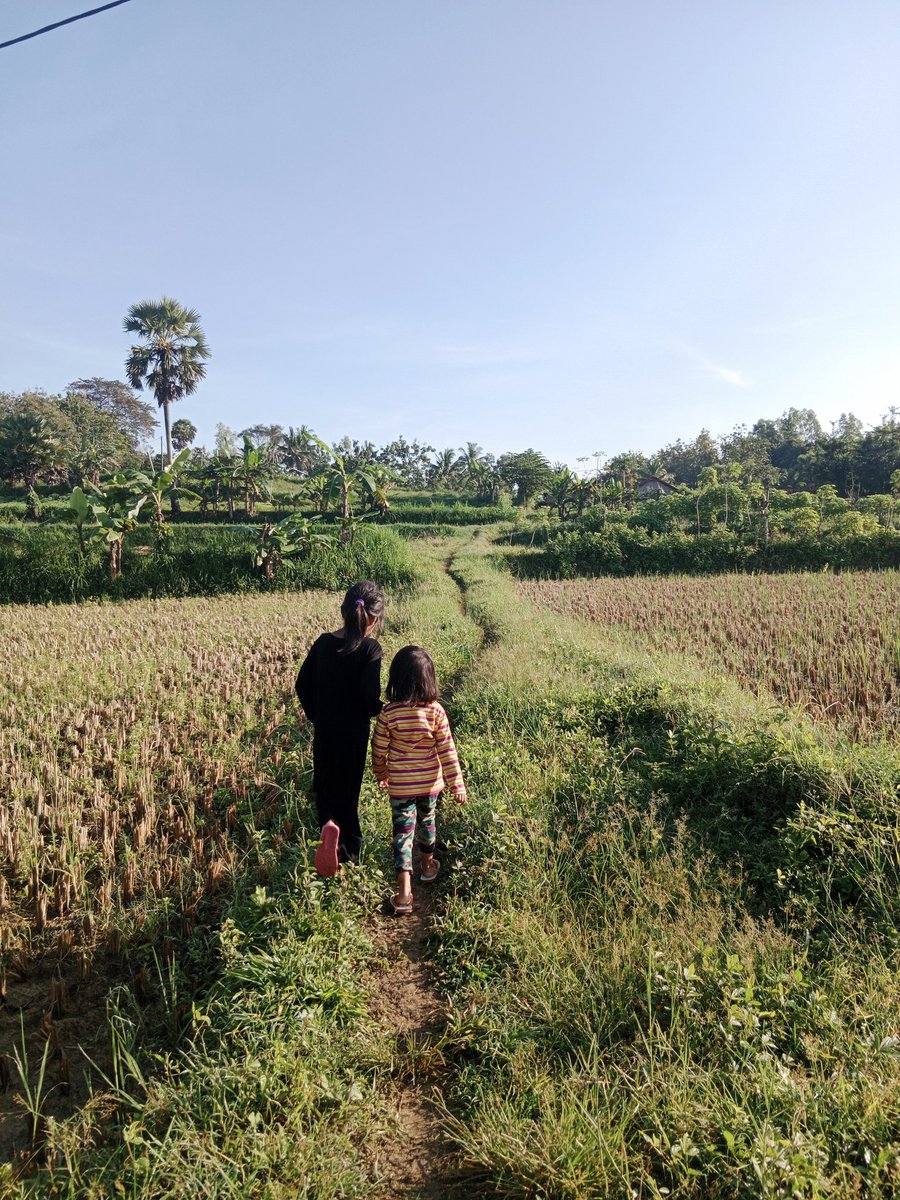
(326, 860)
(433, 874)
(401, 908)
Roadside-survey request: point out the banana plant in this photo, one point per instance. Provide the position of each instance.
(116, 526)
(253, 471)
(84, 512)
(294, 536)
(115, 506)
(340, 483)
(377, 482)
(162, 486)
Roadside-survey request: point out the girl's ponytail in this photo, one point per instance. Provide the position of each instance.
(363, 604)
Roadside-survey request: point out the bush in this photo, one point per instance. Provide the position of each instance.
(444, 514)
(619, 550)
(43, 564)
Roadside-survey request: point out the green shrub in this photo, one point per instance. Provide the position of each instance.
(43, 564)
(444, 514)
(619, 550)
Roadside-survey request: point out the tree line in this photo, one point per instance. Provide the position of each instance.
(101, 426)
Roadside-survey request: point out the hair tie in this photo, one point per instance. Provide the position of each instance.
(361, 603)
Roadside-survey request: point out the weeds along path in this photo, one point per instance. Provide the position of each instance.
(672, 931)
(418, 1159)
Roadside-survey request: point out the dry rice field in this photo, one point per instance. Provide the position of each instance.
(828, 645)
(123, 730)
(141, 744)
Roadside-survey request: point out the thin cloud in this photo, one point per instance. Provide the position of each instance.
(714, 370)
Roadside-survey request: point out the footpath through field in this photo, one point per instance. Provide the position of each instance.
(419, 1159)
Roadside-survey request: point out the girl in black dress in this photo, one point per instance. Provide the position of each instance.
(339, 687)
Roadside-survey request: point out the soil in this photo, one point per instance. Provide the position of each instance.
(51, 1007)
(419, 1162)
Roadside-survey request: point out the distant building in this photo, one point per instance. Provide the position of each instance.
(652, 485)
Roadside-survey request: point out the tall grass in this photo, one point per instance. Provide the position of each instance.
(618, 550)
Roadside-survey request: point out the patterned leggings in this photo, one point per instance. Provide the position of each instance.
(404, 811)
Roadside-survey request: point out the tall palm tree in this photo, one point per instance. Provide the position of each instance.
(171, 359)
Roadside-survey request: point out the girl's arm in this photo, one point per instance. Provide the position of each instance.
(381, 739)
(446, 750)
(305, 687)
(371, 683)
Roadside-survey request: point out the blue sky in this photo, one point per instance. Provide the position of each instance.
(568, 224)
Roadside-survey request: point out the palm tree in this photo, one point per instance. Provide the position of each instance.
(171, 359)
(471, 457)
(487, 481)
(560, 491)
(443, 468)
(297, 451)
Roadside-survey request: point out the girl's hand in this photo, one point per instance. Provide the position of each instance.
(383, 783)
(459, 797)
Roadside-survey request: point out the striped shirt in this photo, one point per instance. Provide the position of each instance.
(413, 750)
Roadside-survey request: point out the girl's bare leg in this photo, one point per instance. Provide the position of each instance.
(404, 888)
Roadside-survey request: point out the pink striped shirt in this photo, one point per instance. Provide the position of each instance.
(413, 750)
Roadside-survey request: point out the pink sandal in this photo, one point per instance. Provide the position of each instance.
(401, 908)
(433, 874)
(326, 860)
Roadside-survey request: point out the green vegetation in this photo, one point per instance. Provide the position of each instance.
(243, 1060)
(702, 508)
(671, 941)
(668, 928)
(170, 357)
(620, 550)
(667, 924)
(46, 565)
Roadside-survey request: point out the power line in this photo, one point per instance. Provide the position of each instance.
(56, 24)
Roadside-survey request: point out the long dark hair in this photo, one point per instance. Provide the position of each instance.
(363, 603)
(411, 679)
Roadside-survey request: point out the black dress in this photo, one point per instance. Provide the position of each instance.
(340, 693)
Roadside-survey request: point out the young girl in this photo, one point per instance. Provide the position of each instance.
(339, 687)
(414, 757)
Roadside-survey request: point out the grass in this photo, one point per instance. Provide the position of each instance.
(654, 995)
(40, 565)
(667, 931)
(247, 1065)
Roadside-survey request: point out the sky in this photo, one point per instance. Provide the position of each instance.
(576, 225)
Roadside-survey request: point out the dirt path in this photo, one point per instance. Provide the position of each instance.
(420, 1162)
